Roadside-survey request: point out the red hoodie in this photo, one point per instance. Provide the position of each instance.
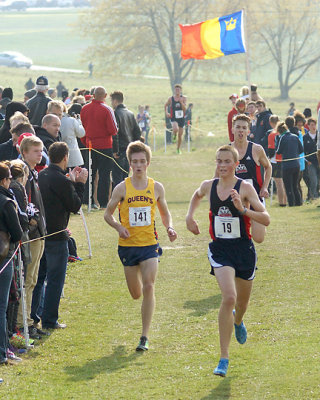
(99, 123)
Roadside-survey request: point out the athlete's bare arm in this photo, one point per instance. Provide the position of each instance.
(246, 198)
(164, 211)
(198, 195)
(262, 159)
(183, 103)
(118, 195)
(168, 103)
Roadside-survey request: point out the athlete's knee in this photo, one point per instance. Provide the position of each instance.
(229, 299)
(148, 288)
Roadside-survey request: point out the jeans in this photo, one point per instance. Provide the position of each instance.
(38, 292)
(313, 174)
(117, 174)
(5, 283)
(104, 166)
(56, 252)
(290, 179)
(37, 248)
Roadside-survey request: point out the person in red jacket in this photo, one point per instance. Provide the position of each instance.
(233, 98)
(100, 125)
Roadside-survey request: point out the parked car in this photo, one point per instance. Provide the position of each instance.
(81, 3)
(13, 5)
(14, 59)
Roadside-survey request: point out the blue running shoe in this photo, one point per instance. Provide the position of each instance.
(240, 331)
(222, 367)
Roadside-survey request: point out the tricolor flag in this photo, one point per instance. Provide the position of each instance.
(213, 38)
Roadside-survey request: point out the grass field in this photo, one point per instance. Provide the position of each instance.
(94, 358)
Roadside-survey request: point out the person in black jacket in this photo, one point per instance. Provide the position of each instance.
(49, 130)
(7, 96)
(31, 152)
(11, 109)
(290, 147)
(61, 196)
(38, 103)
(128, 132)
(262, 125)
(9, 224)
(8, 150)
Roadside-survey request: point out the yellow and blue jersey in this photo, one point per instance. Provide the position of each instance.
(137, 215)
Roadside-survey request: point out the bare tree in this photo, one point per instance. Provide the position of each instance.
(290, 32)
(127, 32)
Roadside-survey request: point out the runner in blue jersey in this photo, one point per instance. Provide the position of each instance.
(233, 205)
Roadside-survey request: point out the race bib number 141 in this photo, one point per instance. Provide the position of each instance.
(140, 216)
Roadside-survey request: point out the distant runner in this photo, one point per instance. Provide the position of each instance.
(178, 106)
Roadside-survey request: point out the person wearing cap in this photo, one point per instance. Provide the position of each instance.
(233, 98)
(38, 103)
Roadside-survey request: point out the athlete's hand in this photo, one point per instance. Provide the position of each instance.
(172, 234)
(192, 226)
(168, 115)
(123, 232)
(235, 197)
(264, 193)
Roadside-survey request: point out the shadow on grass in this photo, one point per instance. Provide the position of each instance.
(203, 306)
(221, 392)
(108, 364)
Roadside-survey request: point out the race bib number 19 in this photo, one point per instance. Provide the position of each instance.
(140, 216)
(227, 227)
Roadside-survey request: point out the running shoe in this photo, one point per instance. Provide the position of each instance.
(143, 344)
(179, 151)
(222, 367)
(240, 332)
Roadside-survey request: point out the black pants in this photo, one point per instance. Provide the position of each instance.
(104, 166)
(290, 178)
(118, 175)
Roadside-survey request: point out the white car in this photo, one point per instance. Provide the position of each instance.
(14, 59)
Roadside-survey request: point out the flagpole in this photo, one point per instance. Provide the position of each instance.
(246, 36)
